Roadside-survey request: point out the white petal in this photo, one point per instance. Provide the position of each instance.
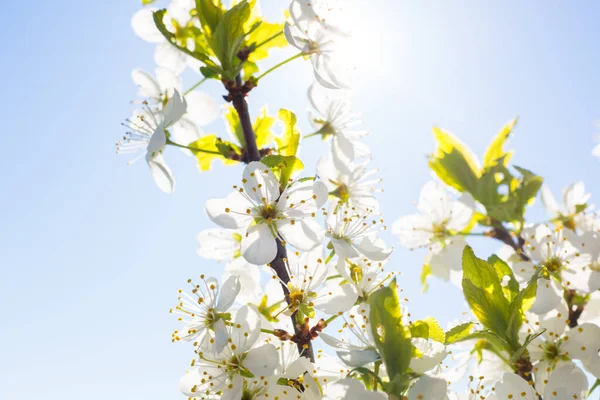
(161, 173)
(147, 85)
(229, 212)
(202, 108)
(512, 385)
(352, 389)
(358, 358)
(335, 298)
(373, 248)
(462, 212)
(547, 296)
(433, 353)
(221, 335)
(185, 132)
(174, 109)
(429, 388)
(258, 245)
(143, 25)
(234, 390)
(229, 291)
(566, 382)
(168, 81)
(304, 234)
(168, 56)
(262, 360)
(260, 183)
(245, 329)
(549, 201)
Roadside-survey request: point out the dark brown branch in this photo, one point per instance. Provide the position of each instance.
(237, 96)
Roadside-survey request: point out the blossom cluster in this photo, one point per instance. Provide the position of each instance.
(308, 305)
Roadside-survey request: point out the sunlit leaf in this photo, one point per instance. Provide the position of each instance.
(287, 144)
(454, 163)
(495, 151)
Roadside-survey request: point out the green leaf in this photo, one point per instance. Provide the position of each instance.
(147, 2)
(521, 303)
(391, 337)
(454, 163)
(495, 151)
(428, 328)
(229, 35)
(511, 290)
(457, 333)
(210, 13)
(484, 293)
(496, 341)
(288, 144)
(528, 188)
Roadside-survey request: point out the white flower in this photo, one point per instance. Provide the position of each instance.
(148, 135)
(354, 233)
(216, 372)
(560, 260)
(574, 201)
(586, 280)
(334, 118)
(431, 354)
(428, 388)
(143, 25)
(360, 349)
(445, 259)
(352, 185)
(565, 383)
(512, 386)
(352, 389)
(309, 289)
(557, 345)
(440, 216)
(306, 31)
(364, 275)
(264, 214)
(205, 312)
(201, 108)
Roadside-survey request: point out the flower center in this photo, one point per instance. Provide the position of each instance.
(342, 192)
(553, 264)
(356, 273)
(268, 212)
(296, 296)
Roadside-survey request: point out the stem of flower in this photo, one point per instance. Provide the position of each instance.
(279, 263)
(195, 86)
(331, 319)
(329, 257)
(279, 65)
(192, 149)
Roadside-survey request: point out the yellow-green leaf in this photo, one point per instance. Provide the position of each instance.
(428, 328)
(454, 163)
(458, 332)
(484, 293)
(287, 145)
(391, 337)
(267, 36)
(495, 151)
(204, 144)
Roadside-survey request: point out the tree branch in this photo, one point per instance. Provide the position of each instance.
(237, 96)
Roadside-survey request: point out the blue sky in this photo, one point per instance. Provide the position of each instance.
(92, 253)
